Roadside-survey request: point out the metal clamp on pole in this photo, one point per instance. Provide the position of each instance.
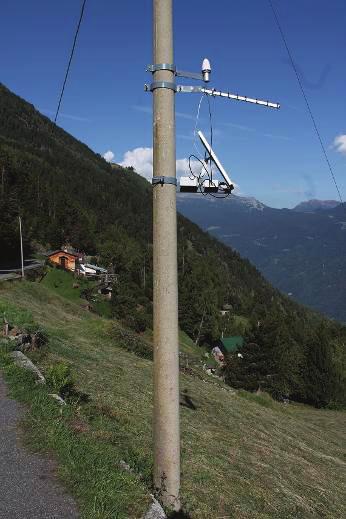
(164, 180)
(161, 66)
(160, 84)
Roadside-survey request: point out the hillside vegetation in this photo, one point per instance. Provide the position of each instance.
(66, 193)
(300, 252)
(244, 456)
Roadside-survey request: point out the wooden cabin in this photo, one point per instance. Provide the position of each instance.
(66, 260)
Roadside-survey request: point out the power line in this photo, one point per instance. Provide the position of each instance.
(70, 59)
(305, 98)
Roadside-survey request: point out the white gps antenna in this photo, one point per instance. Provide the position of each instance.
(206, 70)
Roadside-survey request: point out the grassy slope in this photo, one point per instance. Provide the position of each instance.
(243, 456)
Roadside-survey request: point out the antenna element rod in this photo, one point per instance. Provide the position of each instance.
(213, 92)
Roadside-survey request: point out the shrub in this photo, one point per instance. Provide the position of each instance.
(59, 377)
(131, 342)
(137, 321)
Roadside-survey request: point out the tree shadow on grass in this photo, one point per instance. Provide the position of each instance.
(77, 396)
(187, 401)
(179, 515)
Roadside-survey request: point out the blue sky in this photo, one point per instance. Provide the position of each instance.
(272, 155)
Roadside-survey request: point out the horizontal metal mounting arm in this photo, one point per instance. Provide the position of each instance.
(172, 68)
(189, 89)
(189, 75)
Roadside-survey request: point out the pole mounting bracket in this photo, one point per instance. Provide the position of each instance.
(164, 180)
(160, 84)
(189, 75)
(172, 68)
(189, 89)
(161, 66)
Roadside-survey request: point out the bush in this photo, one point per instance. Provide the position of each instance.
(137, 321)
(262, 398)
(131, 342)
(59, 377)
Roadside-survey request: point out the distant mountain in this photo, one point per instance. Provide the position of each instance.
(301, 253)
(309, 206)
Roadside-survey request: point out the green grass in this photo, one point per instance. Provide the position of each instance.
(103, 308)
(89, 459)
(61, 282)
(243, 456)
(242, 324)
(66, 285)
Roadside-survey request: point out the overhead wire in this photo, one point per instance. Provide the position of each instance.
(305, 98)
(70, 59)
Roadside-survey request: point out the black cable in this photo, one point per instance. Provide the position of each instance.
(207, 158)
(305, 98)
(70, 60)
(211, 139)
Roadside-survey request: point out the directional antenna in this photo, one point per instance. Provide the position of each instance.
(201, 183)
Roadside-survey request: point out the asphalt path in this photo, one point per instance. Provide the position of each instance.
(15, 273)
(29, 488)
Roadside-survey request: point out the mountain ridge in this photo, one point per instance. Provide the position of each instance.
(279, 240)
(316, 205)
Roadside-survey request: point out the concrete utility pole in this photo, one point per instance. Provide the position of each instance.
(166, 348)
(21, 245)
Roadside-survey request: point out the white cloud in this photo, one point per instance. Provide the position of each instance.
(141, 159)
(108, 156)
(340, 144)
(183, 168)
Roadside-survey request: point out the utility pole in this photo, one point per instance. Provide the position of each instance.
(165, 268)
(21, 245)
(166, 348)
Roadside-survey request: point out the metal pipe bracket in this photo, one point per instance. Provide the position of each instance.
(161, 66)
(164, 180)
(160, 84)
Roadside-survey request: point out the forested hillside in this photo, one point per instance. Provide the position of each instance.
(66, 193)
(301, 251)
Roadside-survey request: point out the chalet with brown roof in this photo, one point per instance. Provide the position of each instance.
(66, 260)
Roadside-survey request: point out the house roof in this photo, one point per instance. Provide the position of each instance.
(96, 267)
(232, 344)
(52, 253)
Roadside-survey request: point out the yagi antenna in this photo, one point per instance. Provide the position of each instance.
(198, 183)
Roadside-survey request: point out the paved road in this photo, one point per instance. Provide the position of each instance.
(6, 277)
(28, 487)
(31, 265)
(6, 274)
